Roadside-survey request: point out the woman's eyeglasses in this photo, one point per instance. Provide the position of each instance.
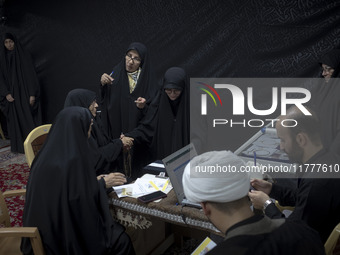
(170, 91)
(327, 69)
(130, 58)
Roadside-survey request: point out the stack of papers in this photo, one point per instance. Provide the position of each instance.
(147, 184)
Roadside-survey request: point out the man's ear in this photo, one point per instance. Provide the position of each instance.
(206, 208)
(302, 139)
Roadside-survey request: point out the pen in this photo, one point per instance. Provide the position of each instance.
(112, 73)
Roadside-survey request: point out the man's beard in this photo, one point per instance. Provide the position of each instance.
(295, 156)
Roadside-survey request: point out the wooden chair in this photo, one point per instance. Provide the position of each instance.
(34, 142)
(333, 241)
(2, 133)
(10, 237)
(283, 208)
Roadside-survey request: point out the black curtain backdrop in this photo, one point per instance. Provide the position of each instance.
(74, 42)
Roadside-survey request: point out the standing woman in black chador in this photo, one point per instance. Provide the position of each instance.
(167, 123)
(65, 200)
(126, 94)
(19, 92)
(326, 101)
(173, 118)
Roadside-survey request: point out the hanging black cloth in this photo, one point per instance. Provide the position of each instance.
(106, 150)
(325, 102)
(20, 80)
(65, 200)
(166, 125)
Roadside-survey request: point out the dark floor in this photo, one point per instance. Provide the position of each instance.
(189, 245)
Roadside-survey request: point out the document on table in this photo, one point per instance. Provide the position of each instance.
(156, 165)
(204, 247)
(147, 184)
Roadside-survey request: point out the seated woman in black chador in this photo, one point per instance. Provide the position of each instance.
(325, 101)
(65, 200)
(19, 92)
(167, 123)
(106, 150)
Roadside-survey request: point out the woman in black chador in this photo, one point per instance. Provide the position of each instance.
(132, 79)
(172, 128)
(125, 96)
(167, 123)
(326, 101)
(19, 92)
(106, 150)
(65, 200)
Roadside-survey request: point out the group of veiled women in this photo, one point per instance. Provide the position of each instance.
(84, 154)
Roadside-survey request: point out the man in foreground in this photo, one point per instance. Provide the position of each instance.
(224, 199)
(316, 198)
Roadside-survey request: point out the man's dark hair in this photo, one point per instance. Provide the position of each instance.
(308, 124)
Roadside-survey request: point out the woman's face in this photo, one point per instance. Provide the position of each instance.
(173, 94)
(132, 61)
(327, 72)
(9, 44)
(93, 108)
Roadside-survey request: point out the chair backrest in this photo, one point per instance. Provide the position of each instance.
(332, 240)
(4, 215)
(10, 237)
(34, 142)
(283, 208)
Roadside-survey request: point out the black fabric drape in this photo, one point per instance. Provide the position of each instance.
(20, 80)
(74, 42)
(106, 150)
(64, 199)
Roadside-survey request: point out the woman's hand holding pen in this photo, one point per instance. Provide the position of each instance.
(106, 79)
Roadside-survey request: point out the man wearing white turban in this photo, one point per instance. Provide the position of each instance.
(217, 180)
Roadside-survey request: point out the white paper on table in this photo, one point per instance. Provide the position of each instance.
(147, 184)
(157, 165)
(124, 190)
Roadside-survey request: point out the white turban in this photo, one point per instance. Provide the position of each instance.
(225, 186)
